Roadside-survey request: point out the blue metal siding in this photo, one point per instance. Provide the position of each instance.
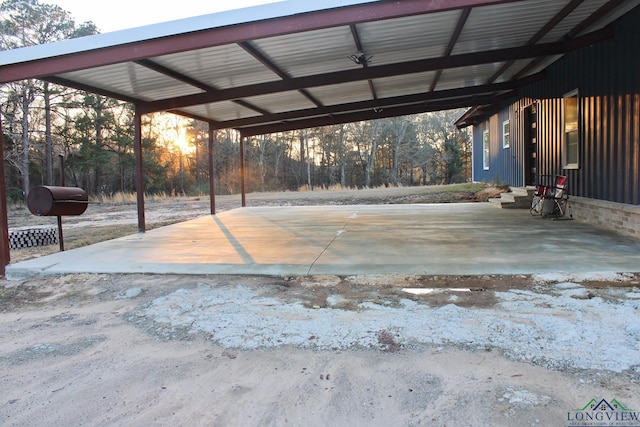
(506, 164)
(609, 141)
(499, 158)
(606, 77)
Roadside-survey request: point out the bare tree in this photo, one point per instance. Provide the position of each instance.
(27, 23)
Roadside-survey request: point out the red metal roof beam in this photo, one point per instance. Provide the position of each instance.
(365, 115)
(383, 102)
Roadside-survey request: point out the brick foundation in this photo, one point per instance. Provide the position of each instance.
(618, 217)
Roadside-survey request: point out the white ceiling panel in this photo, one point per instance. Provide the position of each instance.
(310, 53)
(221, 111)
(280, 102)
(411, 38)
(221, 67)
(466, 77)
(132, 80)
(505, 25)
(403, 85)
(582, 12)
(343, 93)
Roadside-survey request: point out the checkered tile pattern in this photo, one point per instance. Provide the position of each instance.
(30, 237)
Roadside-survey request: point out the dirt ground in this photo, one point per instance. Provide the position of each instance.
(82, 350)
(164, 350)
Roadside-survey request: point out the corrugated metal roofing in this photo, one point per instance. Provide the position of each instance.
(223, 110)
(281, 102)
(424, 36)
(310, 53)
(474, 75)
(220, 67)
(404, 85)
(271, 67)
(132, 79)
(505, 25)
(341, 94)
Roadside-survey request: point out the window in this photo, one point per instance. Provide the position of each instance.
(485, 150)
(506, 141)
(571, 142)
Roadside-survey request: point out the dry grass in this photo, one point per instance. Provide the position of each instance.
(131, 198)
(337, 187)
(448, 188)
(127, 198)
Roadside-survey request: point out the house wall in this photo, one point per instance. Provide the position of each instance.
(503, 165)
(606, 76)
(609, 111)
(506, 164)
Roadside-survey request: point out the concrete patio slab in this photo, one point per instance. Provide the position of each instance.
(434, 239)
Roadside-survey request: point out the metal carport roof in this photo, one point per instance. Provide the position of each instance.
(295, 64)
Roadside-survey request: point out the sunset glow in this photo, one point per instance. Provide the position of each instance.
(182, 144)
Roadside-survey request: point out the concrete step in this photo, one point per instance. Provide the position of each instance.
(523, 191)
(501, 203)
(518, 198)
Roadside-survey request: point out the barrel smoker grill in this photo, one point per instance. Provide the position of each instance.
(57, 201)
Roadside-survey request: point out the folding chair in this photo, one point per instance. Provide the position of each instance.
(554, 201)
(538, 199)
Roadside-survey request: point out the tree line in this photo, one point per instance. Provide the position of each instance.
(42, 121)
